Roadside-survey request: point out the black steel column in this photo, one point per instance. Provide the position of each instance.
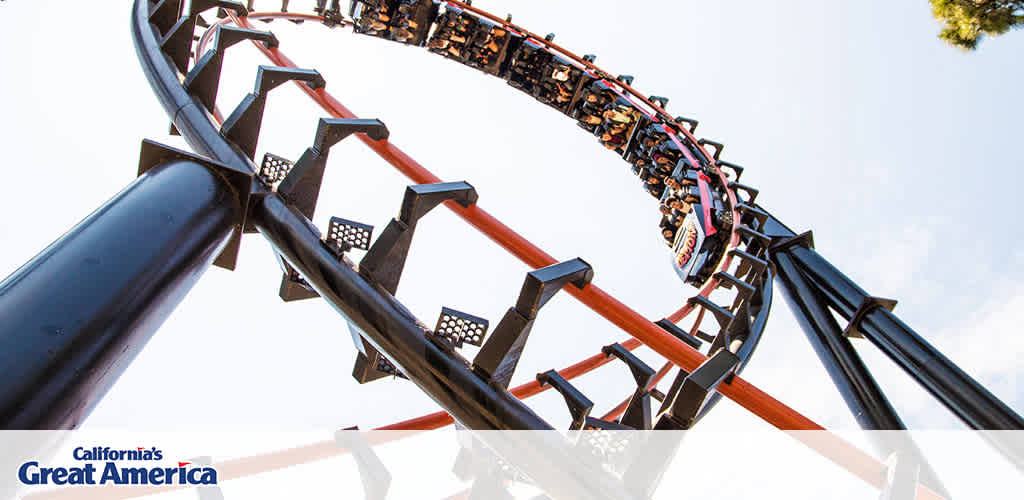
(851, 377)
(74, 317)
(860, 391)
(963, 395)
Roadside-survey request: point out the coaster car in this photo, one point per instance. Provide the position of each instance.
(412, 20)
(451, 37)
(490, 46)
(372, 17)
(589, 108)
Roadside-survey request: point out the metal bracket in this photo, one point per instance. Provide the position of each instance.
(499, 356)
(721, 314)
(750, 265)
(638, 412)
(177, 42)
(866, 306)
(686, 397)
(743, 289)
(153, 153)
(204, 78)
(273, 168)
(805, 240)
(385, 260)
(751, 192)
(662, 102)
(301, 186)
(165, 14)
(679, 333)
(717, 145)
(375, 476)
(370, 364)
(243, 125)
(579, 405)
(459, 327)
(689, 121)
(754, 213)
(737, 170)
(293, 285)
(753, 234)
(344, 234)
(737, 329)
(595, 424)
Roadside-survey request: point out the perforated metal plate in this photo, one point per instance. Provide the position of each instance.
(274, 168)
(385, 365)
(344, 232)
(459, 327)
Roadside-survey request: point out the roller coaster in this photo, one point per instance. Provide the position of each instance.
(720, 240)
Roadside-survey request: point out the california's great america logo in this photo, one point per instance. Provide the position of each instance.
(102, 467)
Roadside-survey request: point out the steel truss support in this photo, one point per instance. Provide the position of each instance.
(851, 377)
(811, 283)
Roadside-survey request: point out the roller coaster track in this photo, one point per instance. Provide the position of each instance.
(470, 391)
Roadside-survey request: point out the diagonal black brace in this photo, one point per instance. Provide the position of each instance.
(738, 329)
(579, 405)
(165, 14)
(423, 198)
(499, 356)
(385, 260)
(744, 290)
(594, 423)
(642, 372)
(301, 186)
(678, 333)
(686, 397)
(749, 234)
(373, 472)
(204, 78)
(177, 42)
(638, 411)
(243, 125)
(498, 359)
(721, 314)
(545, 282)
(751, 213)
(751, 266)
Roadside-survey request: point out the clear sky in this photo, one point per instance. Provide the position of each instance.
(900, 153)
